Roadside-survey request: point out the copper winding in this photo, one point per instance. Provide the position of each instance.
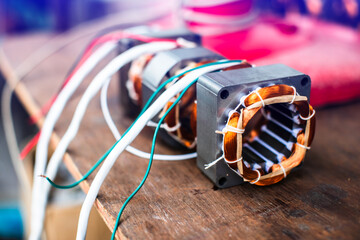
(182, 121)
(134, 84)
(233, 141)
(184, 116)
(185, 112)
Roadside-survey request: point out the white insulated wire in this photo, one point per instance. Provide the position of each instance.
(41, 193)
(91, 91)
(14, 152)
(130, 149)
(156, 107)
(37, 212)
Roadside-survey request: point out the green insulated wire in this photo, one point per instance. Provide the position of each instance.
(97, 164)
(150, 160)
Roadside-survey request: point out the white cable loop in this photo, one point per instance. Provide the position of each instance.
(193, 144)
(229, 128)
(258, 178)
(235, 161)
(294, 97)
(283, 169)
(258, 94)
(303, 146)
(151, 124)
(242, 102)
(209, 165)
(309, 117)
(164, 126)
(243, 98)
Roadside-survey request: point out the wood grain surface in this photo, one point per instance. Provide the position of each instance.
(319, 201)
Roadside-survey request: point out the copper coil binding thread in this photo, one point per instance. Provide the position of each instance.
(233, 140)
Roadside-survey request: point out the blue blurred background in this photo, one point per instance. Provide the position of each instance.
(60, 15)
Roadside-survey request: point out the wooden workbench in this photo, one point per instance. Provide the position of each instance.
(321, 200)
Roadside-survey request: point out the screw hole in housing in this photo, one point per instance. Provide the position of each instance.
(222, 181)
(224, 94)
(304, 81)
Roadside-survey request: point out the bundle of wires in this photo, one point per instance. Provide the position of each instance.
(181, 85)
(130, 134)
(86, 64)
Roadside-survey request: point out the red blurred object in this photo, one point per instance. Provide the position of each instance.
(29, 146)
(327, 52)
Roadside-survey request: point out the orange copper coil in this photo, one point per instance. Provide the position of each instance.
(134, 83)
(182, 119)
(241, 130)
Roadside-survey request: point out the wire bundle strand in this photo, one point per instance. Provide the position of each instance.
(133, 132)
(86, 64)
(40, 191)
